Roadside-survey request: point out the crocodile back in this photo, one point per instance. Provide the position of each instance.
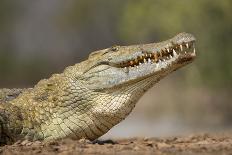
(7, 95)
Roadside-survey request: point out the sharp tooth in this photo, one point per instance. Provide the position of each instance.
(174, 52)
(156, 57)
(170, 56)
(168, 50)
(144, 60)
(150, 55)
(136, 60)
(140, 63)
(137, 67)
(194, 50)
(187, 45)
(181, 47)
(160, 61)
(149, 60)
(185, 52)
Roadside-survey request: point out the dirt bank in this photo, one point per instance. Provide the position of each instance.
(203, 144)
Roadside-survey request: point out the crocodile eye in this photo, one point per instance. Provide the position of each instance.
(115, 48)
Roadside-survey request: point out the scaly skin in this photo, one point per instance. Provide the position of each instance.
(89, 98)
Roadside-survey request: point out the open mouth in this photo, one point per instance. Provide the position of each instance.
(185, 50)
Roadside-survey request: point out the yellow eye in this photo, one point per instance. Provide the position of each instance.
(115, 48)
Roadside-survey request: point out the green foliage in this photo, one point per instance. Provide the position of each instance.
(87, 13)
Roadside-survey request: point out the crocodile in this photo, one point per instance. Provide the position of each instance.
(90, 97)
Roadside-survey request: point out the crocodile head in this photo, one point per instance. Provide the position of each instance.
(121, 66)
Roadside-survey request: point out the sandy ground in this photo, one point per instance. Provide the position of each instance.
(195, 144)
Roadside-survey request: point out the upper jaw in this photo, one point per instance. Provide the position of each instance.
(181, 48)
(182, 45)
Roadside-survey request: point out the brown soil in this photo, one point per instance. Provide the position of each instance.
(202, 144)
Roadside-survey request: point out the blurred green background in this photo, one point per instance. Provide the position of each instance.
(38, 38)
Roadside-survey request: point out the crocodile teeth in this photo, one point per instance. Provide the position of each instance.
(144, 60)
(174, 52)
(155, 56)
(187, 45)
(168, 50)
(136, 60)
(185, 52)
(149, 60)
(194, 51)
(181, 47)
(140, 63)
(170, 56)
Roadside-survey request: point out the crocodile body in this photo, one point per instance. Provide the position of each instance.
(89, 98)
